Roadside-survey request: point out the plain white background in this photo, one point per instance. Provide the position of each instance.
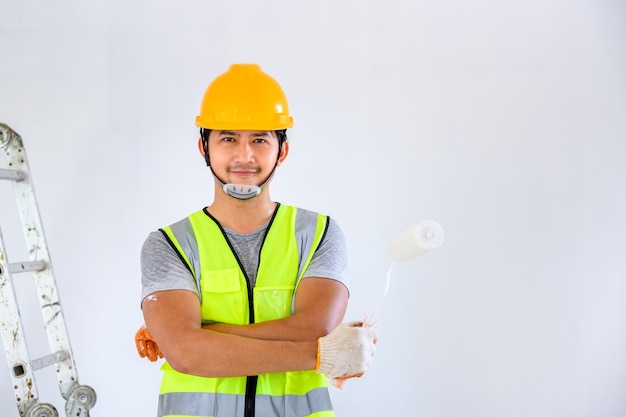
(505, 121)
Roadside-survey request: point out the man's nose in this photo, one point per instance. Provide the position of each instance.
(244, 151)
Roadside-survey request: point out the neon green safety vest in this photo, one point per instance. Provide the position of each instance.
(226, 295)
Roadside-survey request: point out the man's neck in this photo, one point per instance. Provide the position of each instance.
(242, 216)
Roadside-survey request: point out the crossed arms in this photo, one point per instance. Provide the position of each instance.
(222, 350)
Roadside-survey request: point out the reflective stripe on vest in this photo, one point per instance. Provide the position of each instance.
(291, 239)
(205, 404)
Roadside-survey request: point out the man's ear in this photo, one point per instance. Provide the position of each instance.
(284, 151)
(200, 147)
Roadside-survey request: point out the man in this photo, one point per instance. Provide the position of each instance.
(245, 297)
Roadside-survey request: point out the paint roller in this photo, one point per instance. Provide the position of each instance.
(417, 240)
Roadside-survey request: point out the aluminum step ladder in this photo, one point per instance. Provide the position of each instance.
(79, 398)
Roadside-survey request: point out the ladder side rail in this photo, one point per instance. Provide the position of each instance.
(15, 347)
(49, 301)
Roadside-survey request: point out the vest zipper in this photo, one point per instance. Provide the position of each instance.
(251, 381)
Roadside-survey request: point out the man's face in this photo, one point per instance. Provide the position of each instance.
(243, 156)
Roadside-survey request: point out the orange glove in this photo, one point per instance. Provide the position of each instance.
(146, 346)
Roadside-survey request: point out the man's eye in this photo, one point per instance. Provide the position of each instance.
(228, 139)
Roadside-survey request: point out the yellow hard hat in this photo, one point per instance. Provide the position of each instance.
(244, 98)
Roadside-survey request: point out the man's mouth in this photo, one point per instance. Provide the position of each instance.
(243, 171)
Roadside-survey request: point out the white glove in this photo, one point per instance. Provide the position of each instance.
(347, 351)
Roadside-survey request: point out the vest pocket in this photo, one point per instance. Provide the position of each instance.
(224, 297)
(276, 302)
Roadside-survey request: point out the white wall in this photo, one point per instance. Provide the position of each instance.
(504, 121)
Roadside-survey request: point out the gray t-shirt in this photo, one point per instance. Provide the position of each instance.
(162, 269)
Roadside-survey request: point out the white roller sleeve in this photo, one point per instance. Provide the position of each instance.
(418, 240)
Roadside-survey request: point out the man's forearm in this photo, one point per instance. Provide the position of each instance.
(290, 328)
(211, 354)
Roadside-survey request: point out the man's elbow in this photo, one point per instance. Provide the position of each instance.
(187, 364)
(180, 362)
(180, 355)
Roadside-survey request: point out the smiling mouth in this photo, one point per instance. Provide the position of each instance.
(244, 171)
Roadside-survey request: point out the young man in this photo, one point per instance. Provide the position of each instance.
(245, 297)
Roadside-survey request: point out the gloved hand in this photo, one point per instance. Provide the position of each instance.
(146, 346)
(347, 351)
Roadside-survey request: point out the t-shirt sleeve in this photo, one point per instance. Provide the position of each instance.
(330, 258)
(162, 269)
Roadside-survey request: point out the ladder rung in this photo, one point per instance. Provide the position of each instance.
(27, 266)
(48, 360)
(12, 174)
